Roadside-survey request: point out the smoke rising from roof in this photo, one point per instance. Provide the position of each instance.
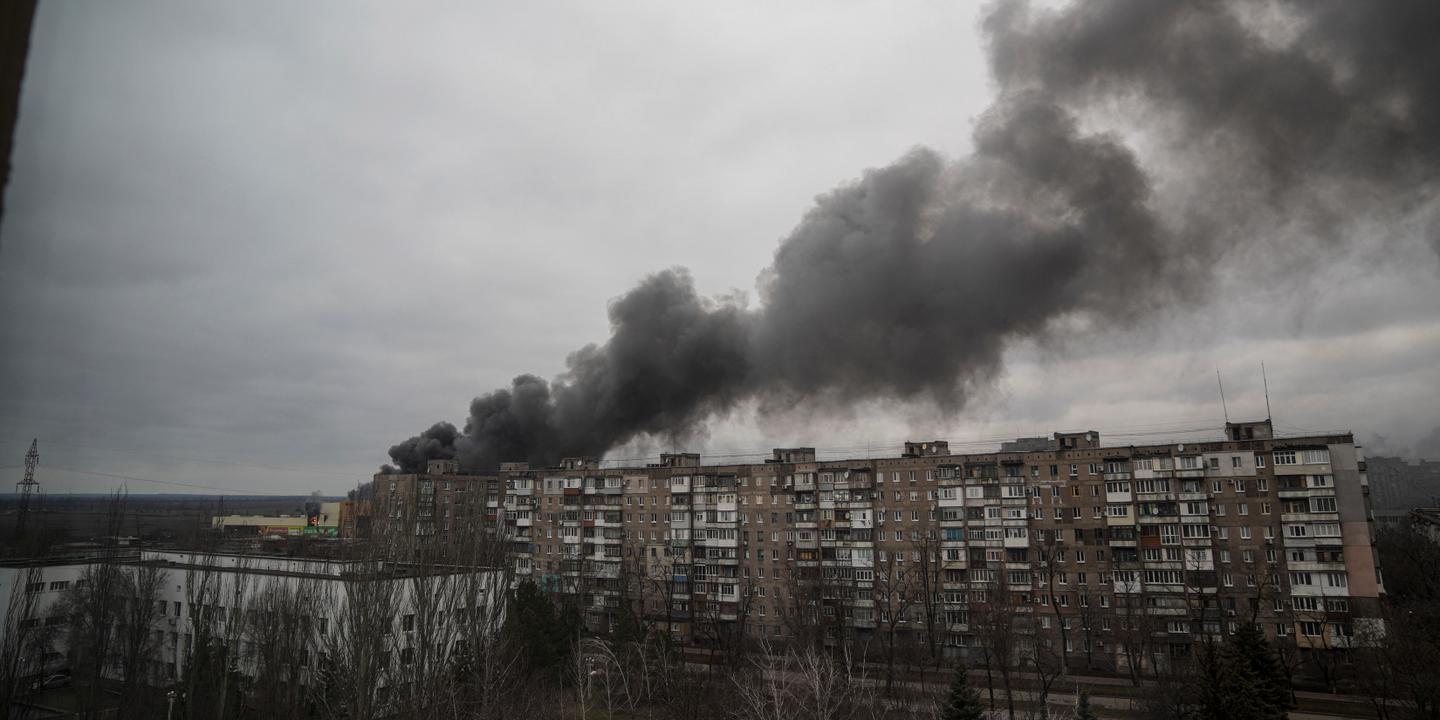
(1276, 126)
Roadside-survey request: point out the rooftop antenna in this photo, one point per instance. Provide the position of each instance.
(1221, 383)
(1266, 383)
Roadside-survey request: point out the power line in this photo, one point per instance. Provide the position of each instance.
(175, 483)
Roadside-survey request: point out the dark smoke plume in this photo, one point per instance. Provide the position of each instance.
(437, 443)
(1270, 126)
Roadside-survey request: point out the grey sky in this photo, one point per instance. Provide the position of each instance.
(252, 245)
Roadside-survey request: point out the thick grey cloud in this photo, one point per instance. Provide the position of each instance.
(903, 284)
(285, 235)
(288, 235)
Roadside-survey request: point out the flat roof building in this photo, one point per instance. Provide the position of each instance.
(277, 616)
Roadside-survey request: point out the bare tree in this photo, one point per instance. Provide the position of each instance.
(281, 640)
(95, 605)
(895, 592)
(1048, 666)
(357, 670)
(632, 621)
(454, 597)
(26, 640)
(1048, 556)
(1399, 660)
(993, 619)
(1090, 618)
(803, 683)
(928, 574)
(141, 609)
(723, 622)
(1136, 626)
(207, 657)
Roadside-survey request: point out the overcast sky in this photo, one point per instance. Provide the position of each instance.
(249, 246)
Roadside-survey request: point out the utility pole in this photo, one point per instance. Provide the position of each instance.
(26, 488)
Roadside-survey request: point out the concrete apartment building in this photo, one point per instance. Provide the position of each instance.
(1129, 554)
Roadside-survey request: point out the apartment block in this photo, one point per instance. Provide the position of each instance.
(1120, 554)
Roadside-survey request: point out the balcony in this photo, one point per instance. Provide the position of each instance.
(1122, 587)
(1306, 492)
(1306, 517)
(1317, 566)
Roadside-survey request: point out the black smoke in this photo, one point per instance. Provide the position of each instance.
(437, 443)
(1267, 128)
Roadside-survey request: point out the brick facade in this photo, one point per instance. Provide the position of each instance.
(1119, 554)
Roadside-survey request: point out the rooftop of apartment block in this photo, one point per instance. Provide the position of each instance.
(1084, 445)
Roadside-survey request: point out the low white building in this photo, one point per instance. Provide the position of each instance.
(239, 601)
